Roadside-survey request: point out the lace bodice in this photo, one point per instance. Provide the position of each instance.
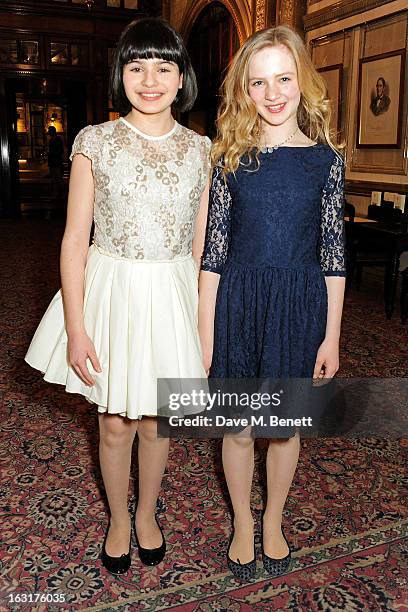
(147, 189)
(287, 214)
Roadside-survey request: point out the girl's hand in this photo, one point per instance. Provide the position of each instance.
(327, 360)
(81, 348)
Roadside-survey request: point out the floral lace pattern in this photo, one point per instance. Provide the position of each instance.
(147, 190)
(218, 225)
(331, 246)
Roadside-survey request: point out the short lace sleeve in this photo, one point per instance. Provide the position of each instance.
(205, 148)
(331, 247)
(218, 225)
(86, 144)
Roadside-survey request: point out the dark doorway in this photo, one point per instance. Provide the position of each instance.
(212, 43)
(10, 192)
(40, 103)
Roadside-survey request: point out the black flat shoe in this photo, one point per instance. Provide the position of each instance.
(151, 556)
(276, 567)
(116, 565)
(242, 571)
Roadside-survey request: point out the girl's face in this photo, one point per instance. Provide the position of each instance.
(273, 85)
(151, 84)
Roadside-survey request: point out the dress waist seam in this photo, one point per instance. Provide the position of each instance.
(176, 259)
(267, 266)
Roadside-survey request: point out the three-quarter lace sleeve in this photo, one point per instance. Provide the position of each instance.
(331, 246)
(218, 225)
(86, 143)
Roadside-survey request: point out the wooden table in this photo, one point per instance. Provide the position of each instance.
(390, 238)
(361, 220)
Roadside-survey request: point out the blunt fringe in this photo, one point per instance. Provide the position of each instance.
(238, 122)
(151, 38)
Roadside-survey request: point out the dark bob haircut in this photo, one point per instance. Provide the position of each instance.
(152, 38)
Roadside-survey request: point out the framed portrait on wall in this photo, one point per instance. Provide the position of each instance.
(333, 76)
(380, 100)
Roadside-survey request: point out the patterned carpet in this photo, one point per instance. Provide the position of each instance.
(345, 515)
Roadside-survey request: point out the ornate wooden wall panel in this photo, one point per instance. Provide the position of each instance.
(369, 28)
(377, 38)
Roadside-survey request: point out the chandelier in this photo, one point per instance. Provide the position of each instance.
(89, 3)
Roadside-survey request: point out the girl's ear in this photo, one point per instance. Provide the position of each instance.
(181, 81)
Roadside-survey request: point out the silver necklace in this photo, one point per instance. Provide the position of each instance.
(272, 148)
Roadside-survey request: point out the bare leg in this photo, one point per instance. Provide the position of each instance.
(153, 453)
(238, 462)
(115, 445)
(281, 464)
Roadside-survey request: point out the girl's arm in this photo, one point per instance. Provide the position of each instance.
(332, 260)
(328, 353)
(208, 283)
(74, 250)
(215, 254)
(208, 287)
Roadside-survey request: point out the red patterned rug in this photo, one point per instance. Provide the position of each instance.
(345, 515)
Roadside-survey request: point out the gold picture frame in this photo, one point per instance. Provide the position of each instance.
(333, 77)
(380, 100)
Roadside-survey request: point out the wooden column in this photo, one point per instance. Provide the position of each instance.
(291, 13)
(286, 12)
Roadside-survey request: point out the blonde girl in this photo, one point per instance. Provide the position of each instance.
(272, 280)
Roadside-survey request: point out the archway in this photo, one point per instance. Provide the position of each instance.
(238, 9)
(212, 42)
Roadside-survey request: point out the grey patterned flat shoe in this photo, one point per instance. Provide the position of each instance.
(276, 567)
(242, 571)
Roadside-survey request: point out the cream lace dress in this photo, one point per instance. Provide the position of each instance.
(140, 294)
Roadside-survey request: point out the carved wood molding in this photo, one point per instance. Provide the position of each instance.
(241, 16)
(56, 9)
(260, 15)
(238, 9)
(287, 12)
(340, 10)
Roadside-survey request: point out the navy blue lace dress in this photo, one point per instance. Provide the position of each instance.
(273, 235)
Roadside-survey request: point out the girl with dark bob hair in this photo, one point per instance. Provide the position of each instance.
(127, 311)
(149, 39)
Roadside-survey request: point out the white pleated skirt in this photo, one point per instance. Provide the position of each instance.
(142, 318)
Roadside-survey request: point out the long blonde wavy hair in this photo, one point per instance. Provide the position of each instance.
(238, 122)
